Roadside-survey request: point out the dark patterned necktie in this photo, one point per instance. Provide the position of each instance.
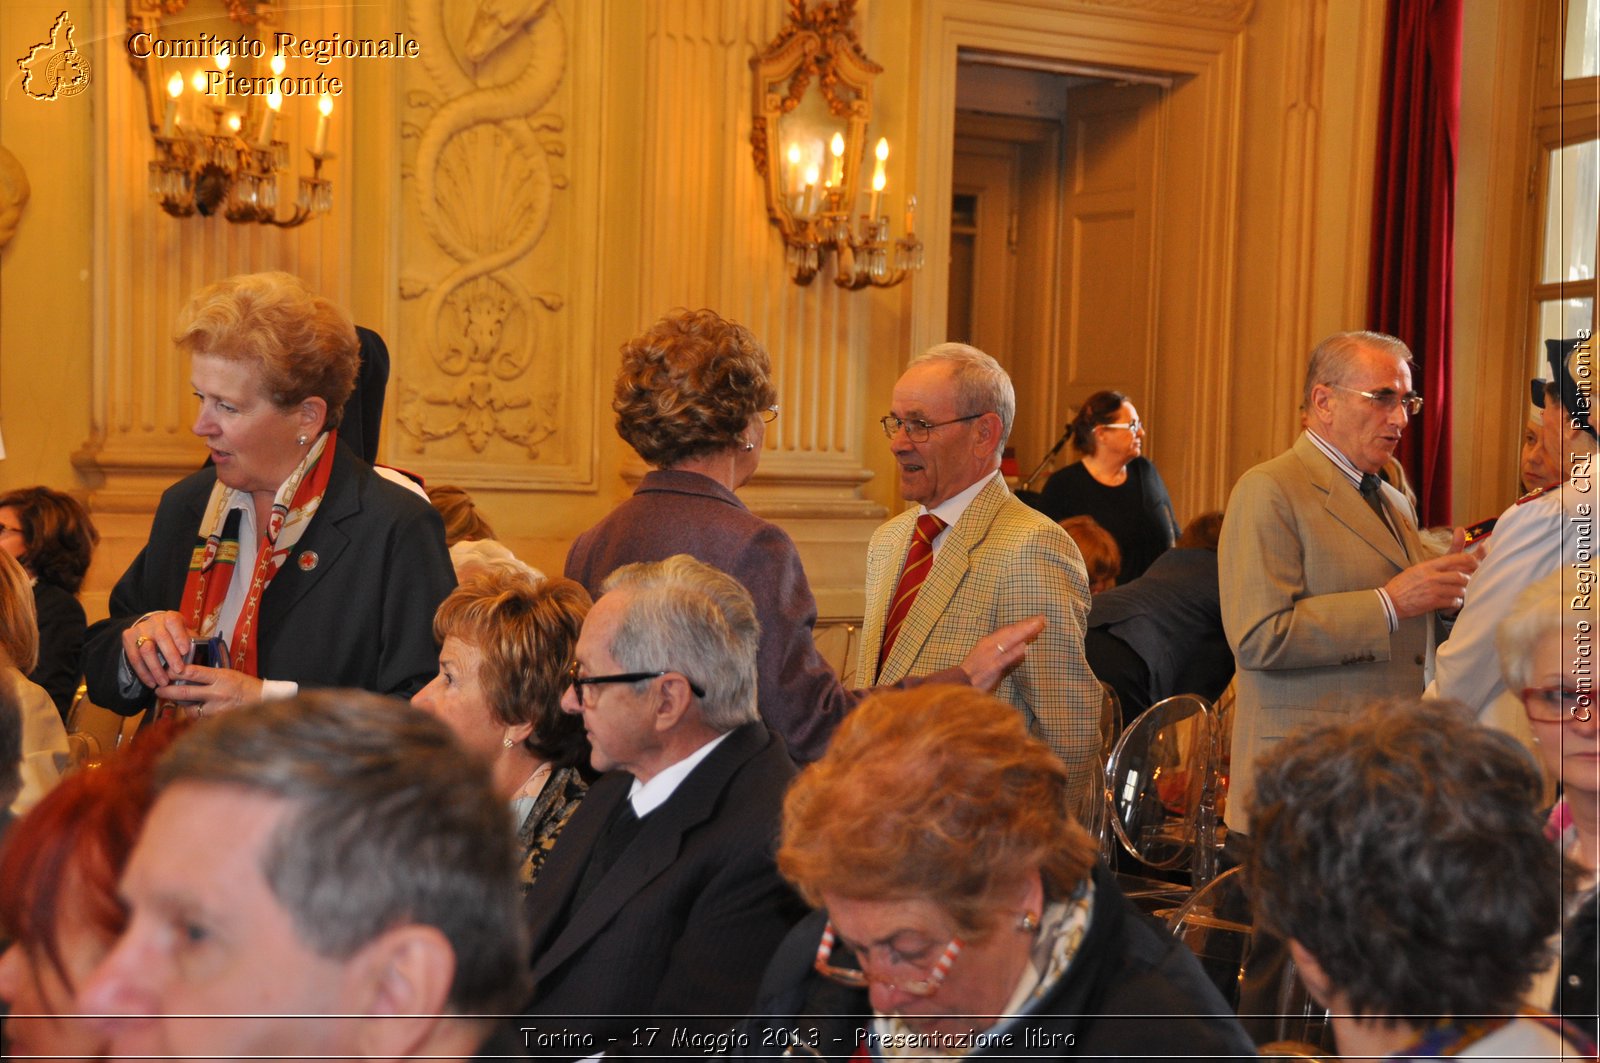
(1372, 491)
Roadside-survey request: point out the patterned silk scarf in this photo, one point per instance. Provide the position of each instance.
(217, 551)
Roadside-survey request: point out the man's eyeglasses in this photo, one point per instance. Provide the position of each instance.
(1557, 704)
(6, 529)
(577, 682)
(770, 414)
(917, 430)
(925, 985)
(1388, 399)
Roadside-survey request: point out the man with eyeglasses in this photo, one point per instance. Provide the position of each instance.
(970, 558)
(1540, 533)
(1328, 596)
(660, 904)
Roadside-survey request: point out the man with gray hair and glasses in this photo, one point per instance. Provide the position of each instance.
(969, 558)
(1328, 596)
(326, 876)
(661, 903)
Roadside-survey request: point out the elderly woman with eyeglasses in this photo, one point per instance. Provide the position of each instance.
(961, 911)
(694, 397)
(1114, 483)
(1546, 652)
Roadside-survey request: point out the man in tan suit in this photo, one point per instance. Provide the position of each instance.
(994, 560)
(1328, 596)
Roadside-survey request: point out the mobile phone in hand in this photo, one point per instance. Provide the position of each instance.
(211, 652)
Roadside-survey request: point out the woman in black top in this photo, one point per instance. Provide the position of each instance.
(1114, 483)
(53, 537)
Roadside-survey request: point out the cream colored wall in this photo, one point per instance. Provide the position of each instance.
(657, 204)
(46, 271)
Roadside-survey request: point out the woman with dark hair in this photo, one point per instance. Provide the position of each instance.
(960, 907)
(507, 638)
(312, 568)
(694, 397)
(58, 897)
(1114, 483)
(53, 537)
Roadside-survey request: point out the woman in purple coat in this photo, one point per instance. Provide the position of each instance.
(694, 397)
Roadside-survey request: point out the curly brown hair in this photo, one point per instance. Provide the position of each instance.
(301, 344)
(57, 535)
(526, 629)
(937, 793)
(689, 385)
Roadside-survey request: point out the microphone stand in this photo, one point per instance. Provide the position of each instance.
(1048, 458)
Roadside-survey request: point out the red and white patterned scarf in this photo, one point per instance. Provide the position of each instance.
(216, 554)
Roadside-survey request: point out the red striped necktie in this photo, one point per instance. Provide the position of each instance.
(919, 559)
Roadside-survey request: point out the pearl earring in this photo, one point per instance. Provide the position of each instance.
(748, 446)
(301, 440)
(507, 742)
(1028, 923)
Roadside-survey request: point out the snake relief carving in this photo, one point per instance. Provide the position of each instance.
(484, 192)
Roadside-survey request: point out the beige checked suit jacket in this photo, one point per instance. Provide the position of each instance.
(999, 563)
(1300, 559)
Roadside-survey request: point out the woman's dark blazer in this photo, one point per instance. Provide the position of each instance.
(675, 512)
(62, 628)
(353, 606)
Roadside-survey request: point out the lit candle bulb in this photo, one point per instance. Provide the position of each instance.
(234, 122)
(268, 117)
(169, 117)
(278, 64)
(223, 59)
(325, 107)
(791, 183)
(836, 146)
(806, 208)
(878, 180)
(197, 81)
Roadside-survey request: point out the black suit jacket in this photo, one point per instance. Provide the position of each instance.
(361, 617)
(1172, 618)
(685, 920)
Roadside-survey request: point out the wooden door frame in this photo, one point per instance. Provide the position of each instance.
(1206, 59)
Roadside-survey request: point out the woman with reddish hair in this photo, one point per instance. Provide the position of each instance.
(58, 896)
(960, 907)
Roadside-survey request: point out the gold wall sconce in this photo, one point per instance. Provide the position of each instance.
(813, 103)
(214, 104)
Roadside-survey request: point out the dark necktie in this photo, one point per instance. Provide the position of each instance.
(620, 830)
(1372, 491)
(919, 559)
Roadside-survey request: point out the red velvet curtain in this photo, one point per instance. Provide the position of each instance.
(1413, 216)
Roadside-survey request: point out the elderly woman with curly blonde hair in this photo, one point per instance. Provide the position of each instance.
(314, 570)
(960, 908)
(694, 397)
